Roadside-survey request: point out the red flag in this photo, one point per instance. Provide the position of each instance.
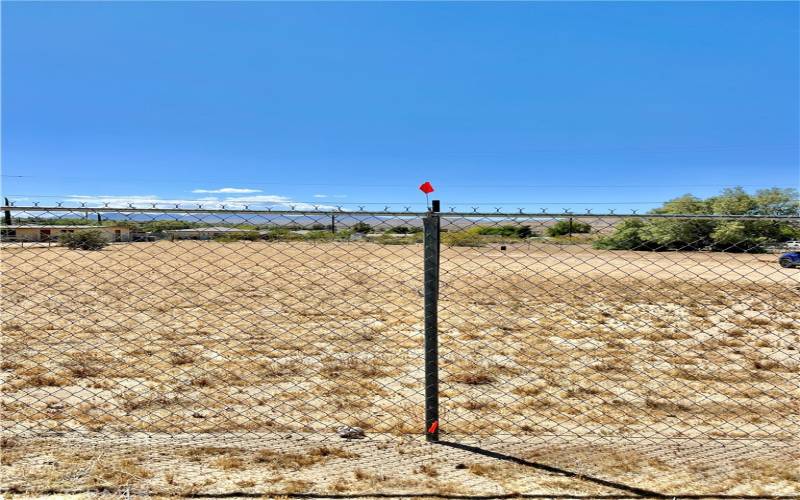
(426, 188)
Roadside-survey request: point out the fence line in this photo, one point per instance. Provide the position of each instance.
(237, 345)
(394, 213)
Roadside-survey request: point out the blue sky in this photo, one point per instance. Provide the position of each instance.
(557, 105)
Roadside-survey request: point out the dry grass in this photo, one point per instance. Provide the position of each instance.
(281, 461)
(472, 378)
(488, 470)
(303, 337)
(120, 472)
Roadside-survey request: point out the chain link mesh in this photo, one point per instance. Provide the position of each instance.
(213, 351)
(647, 357)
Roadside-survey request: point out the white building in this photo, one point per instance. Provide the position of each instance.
(36, 232)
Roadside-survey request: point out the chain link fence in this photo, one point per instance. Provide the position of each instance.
(179, 351)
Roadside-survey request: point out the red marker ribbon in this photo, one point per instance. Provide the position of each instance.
(433, 427)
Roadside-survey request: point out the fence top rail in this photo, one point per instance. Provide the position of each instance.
(228, 211)
(520, 214)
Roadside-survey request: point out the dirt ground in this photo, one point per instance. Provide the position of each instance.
(204, 366)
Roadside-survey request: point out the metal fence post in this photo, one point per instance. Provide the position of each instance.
(431, 224)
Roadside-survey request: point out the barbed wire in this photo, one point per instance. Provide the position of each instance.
(451, 211)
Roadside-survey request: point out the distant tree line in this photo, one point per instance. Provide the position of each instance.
(712, 234)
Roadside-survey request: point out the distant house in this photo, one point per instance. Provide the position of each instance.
(203, 233)
(52, 232)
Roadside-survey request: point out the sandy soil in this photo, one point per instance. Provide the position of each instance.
(543, 348)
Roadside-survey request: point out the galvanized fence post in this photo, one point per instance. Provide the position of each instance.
(431, 224)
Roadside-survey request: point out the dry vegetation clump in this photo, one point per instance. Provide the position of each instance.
(775, 470)
(119, 472)
(37, 376)
(228, 462)
(478, 405)
(283, 460)
(8, 450)
(336, 368)
(133, 401)
(490, 470)
(280, 370)
(232, 458)
(472, 378)
(296, 486)
(199, 453)
(666, 405)
(180, 358)
(333, 452)
(86, 365)
(202, 381)
(478, 373)
(428, 470)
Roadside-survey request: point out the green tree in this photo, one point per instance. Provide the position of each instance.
(687, 204)
(777, 201)
(733, 201)
(717, 234)
(627, 236)
(754, 235)
(677, 234)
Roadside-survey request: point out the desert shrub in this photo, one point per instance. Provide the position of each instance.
(361, 227)
(90, 239)
(404, 230)
(241, 236)
(506, 231)
(467, 238)
(386, 239)
(320, 235)
(565, 227)
(280, 234)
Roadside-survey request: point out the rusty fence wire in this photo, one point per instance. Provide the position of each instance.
(185, 351)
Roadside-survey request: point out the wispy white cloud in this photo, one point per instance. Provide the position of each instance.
(227, 190)
(270, 200)
(135, 200)
(320, 196)
(255, 202)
